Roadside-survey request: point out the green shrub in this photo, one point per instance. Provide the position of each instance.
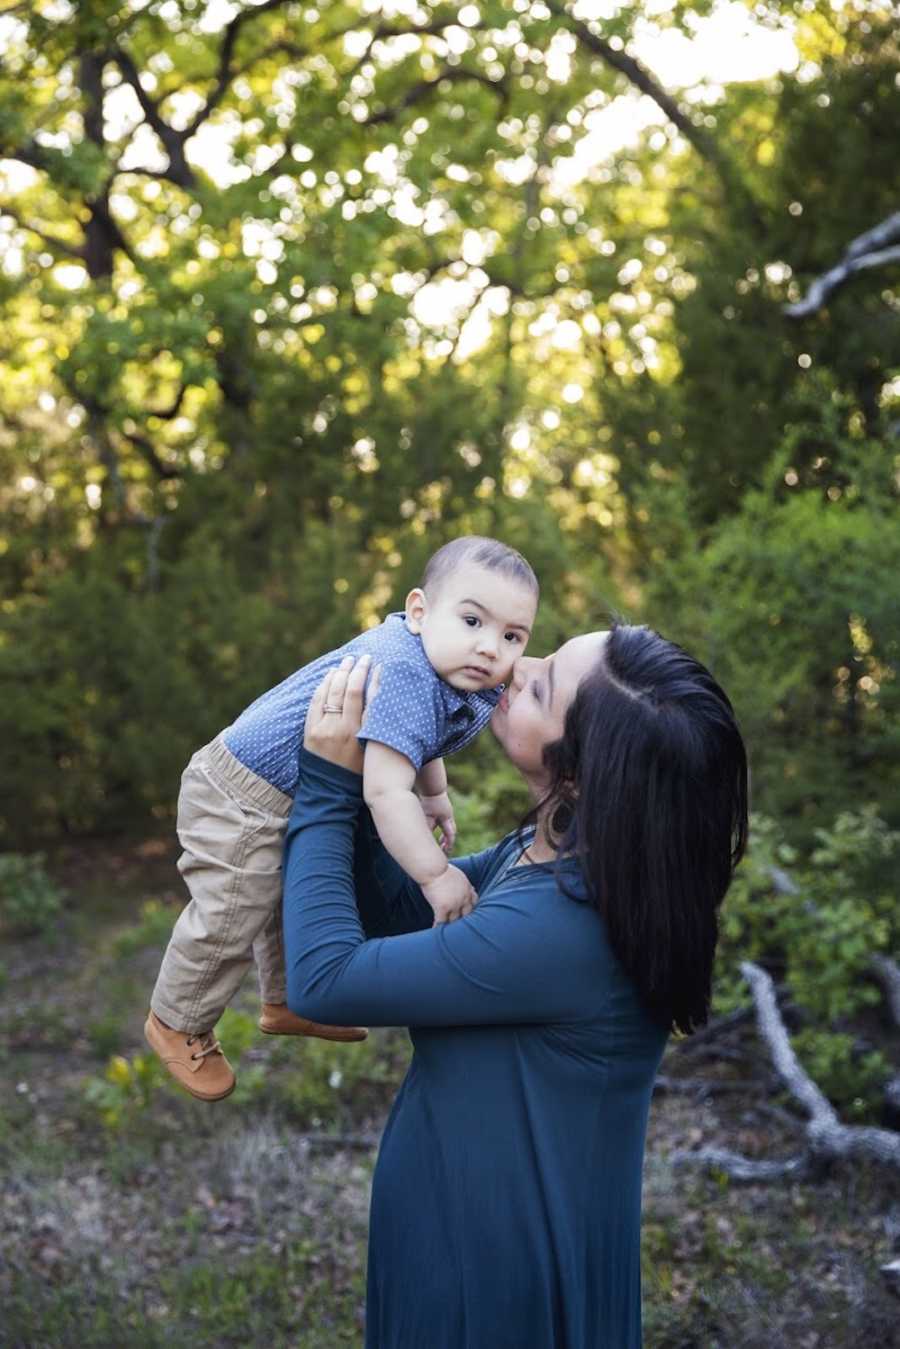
(126, 1088)
(105, 1036)
(792, 601)
(851, 1078)
(336, 1085)
(153, 928)
(816, 927)
(30, 902)
(238, 1033)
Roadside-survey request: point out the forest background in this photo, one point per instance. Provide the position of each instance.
(240, 407)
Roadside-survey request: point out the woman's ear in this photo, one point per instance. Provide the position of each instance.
(416, 607)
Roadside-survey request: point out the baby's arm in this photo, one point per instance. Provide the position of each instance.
(431, 786)
(432, 779)
(388, 781)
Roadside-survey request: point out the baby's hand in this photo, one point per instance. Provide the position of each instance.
(450, 895)
(439, 814)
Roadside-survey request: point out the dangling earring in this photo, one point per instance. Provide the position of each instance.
(561, 819)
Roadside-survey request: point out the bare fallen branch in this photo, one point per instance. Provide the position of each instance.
(702, 1087)
(827, 1139)
(887, 972)
(779, 1114)
(773, 1031)
(322, 1140)
(716, 1028)
(744, 1170)
(875, 248)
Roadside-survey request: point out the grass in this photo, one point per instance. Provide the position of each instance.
(263, 1296)
(133, 1217)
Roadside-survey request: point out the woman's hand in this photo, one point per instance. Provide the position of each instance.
(336, 713)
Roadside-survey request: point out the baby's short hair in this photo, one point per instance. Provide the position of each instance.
(488, 553)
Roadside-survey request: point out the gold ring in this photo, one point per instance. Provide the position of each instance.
(326, 708)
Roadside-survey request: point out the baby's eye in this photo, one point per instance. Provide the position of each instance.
(513, 637)
(471, 620)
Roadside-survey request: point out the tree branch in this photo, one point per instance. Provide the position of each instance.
(99, 208)
(225, 74)
(887, 972)
(174, 141)
(862, 253)
(31, 153)
(642, 79)
(282, 47)
(385, 31)
(701, 1088)
(60, 245)
(426, 87)
(167, 414)
(744, 1170)
(149, 455)
(149, 106)
(826, 1138)
(179, 170)
(773, 1031)
(721, 1025)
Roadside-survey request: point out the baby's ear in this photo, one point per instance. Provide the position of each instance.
(416, 607)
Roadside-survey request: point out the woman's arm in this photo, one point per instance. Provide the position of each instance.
(496, 965)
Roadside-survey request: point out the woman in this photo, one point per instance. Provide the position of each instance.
(506, 1198)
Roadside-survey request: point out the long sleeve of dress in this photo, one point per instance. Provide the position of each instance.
(489, 967)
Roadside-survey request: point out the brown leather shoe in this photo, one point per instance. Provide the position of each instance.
(278, 1019)
(195, 1061)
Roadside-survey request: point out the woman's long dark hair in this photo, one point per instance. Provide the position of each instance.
(649, 790)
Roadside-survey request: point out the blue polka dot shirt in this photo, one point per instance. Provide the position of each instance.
(416, 712)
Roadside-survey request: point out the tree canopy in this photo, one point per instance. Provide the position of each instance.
(292, 294)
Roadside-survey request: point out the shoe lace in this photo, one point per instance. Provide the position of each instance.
(208, 1045)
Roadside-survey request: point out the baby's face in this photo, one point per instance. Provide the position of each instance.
(473, 626)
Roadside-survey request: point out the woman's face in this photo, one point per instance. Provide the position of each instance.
(532, 711)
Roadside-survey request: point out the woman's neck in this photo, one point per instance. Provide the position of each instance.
(541, 848)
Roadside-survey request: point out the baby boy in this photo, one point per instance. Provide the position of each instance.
(442, 667)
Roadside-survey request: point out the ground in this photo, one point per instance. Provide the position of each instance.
(133, 1217)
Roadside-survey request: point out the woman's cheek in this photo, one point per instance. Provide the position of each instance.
(522, 722)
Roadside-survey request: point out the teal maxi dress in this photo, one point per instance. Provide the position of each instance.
(506, 1199)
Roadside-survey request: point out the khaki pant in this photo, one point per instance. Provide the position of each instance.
(231, 825)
